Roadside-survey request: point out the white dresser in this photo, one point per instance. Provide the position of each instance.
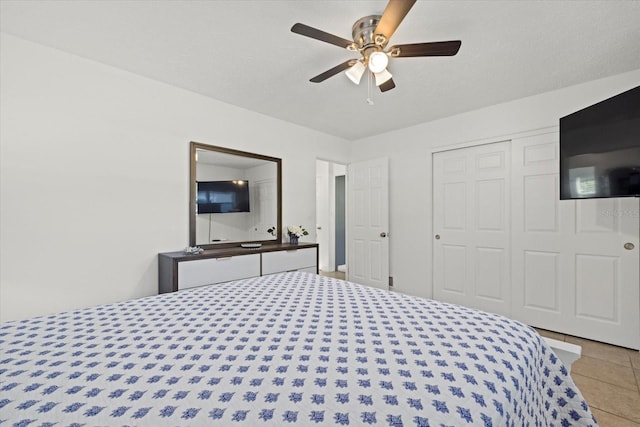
(178, 271)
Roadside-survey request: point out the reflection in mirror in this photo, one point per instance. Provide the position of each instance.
(234, 196)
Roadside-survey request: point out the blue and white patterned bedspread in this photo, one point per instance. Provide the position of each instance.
(292, 348)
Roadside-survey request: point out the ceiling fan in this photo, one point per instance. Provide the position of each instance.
(371, 35)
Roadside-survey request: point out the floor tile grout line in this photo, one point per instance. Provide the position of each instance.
(608, 411)
(614, 414)
(607, 382)
(598, 360)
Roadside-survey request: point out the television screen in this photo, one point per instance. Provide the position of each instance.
(223, 196)
(600, 149)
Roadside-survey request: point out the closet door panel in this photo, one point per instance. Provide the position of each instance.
(471, 226)
(571, 272)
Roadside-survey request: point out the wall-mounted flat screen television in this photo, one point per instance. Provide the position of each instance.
(600, 149)
(223, 196)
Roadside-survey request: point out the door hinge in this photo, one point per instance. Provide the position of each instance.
(390, 281)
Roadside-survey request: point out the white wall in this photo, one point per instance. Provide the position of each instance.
(410, 175)
(94, 175)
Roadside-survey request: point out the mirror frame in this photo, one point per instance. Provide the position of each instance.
(193, 190)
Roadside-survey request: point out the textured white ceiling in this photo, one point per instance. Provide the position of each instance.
(243, 53)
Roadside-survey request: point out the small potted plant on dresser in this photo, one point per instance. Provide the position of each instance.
(295, 232)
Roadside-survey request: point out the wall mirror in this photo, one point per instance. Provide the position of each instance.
(234, 197)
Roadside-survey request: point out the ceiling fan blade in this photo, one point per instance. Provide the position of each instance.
(314, 33)
(332, 72)
(388, 85)
(448, 48)
(392, 16)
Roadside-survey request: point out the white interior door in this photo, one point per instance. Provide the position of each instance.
(323, 215)
(368, 223)
(264, 208)
(471, 224)
(571, 271)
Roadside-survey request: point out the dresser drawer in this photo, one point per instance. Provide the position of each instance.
(177, 271)
(289, 260)
(216, 270)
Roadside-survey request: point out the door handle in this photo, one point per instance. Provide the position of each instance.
(437, 236)
(629, 246)
(383, 234)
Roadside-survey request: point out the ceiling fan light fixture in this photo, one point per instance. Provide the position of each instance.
(355, 73)
(378, 62)
(382, 77)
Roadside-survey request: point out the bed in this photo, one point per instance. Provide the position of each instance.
(285, 349)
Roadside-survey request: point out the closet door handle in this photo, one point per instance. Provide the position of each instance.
(437, 237)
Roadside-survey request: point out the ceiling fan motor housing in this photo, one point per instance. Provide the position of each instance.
(363, 35)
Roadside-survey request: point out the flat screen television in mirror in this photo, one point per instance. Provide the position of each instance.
(600, 149)
(216, 197)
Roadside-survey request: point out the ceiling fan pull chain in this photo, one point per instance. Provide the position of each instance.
(369, 91)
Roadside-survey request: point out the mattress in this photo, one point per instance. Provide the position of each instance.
(285, 349)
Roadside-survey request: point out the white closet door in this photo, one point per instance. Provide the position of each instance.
(571, 271)
(471, 193)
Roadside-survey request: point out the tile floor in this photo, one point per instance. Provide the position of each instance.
(335, 274)
(608, 377)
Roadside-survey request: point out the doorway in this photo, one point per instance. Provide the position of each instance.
(330, 216)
